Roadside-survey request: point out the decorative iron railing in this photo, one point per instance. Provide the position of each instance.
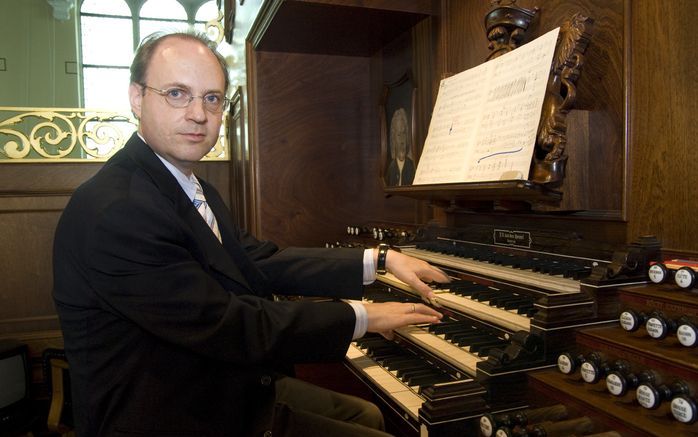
(72, 135)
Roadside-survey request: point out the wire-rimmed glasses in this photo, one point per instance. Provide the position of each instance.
(181, 98)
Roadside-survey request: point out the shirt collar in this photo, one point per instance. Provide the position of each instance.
(188, 183)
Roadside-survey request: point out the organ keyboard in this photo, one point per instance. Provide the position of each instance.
(535, 271)
(420, 390)
(459, 297)
(507, 311)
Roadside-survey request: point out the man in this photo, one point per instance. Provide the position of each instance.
(401, 168)
(166, 307)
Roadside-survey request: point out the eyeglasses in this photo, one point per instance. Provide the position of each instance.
(181, 98)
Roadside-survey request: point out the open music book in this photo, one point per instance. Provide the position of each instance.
(486, 118)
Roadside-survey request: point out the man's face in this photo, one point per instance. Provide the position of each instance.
(180, 135)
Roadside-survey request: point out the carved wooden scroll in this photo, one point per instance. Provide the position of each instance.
(549, 157)
(506, 25)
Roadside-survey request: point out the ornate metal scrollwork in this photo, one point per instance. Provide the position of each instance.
(214, 28)
(62, 135)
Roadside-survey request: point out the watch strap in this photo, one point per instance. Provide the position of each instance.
(382, 254)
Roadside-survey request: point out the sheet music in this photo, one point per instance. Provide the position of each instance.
(485, 119)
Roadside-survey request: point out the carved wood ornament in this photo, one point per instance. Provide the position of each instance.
(506, 25)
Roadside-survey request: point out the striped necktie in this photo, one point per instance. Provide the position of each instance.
(203, 208)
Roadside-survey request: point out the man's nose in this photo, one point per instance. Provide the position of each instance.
(196, 110)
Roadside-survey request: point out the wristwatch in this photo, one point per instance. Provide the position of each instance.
(382, 253)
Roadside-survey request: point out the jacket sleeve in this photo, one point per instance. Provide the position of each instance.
(142, 265)
(327, 272)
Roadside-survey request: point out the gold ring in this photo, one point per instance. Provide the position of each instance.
(414, 308)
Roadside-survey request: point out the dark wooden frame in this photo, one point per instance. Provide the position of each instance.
(229, 10)
(399, 94)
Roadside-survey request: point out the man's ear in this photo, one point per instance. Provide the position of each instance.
(135, 97)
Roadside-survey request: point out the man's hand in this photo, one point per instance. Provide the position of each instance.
(414, 272)
(384, 317)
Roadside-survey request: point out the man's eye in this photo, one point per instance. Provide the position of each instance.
(176, 93)
(213, 99)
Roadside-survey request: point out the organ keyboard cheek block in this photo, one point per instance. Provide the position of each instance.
(507, 312)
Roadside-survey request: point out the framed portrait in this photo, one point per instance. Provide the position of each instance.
(397, 121)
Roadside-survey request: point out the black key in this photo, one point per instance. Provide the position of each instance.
(475, 347)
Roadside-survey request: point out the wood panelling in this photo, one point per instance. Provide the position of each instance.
(662, 122)
(43, 179)
(336, 27)
(317, 148)
(240, 164)
(27, 238)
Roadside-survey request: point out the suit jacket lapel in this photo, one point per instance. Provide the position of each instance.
(215, 253)
(230, 239)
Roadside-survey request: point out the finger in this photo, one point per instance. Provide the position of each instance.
(420, 319)
(435, 274)
(423, 289)
(434, 301)
(428, 311)
(443, 275)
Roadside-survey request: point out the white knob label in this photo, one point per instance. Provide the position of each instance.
(682, 278)
(645, 396)
(654, 327)
(614, 384)
(564, 364)
(486, 427)
(681, 410)
(656, 274)
(627, 321)
(588, 373)
(686, 335)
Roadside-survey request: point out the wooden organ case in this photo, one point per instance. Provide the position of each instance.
(581, 215)
(518, 296)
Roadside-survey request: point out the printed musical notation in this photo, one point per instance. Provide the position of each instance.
(485, 119)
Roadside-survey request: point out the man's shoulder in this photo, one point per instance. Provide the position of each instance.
(115, 175)
(119, 181)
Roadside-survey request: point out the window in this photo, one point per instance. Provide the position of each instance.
(162, 15)
(110, 31)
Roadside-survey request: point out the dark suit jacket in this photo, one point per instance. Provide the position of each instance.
(168, 332)
(392, 177)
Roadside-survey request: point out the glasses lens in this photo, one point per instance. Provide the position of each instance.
(213, 102)
(178, 97)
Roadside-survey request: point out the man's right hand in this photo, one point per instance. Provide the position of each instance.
(384, 317)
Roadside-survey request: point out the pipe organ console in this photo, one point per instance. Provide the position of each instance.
(491, 424)
(641, 375)
(509, 311)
